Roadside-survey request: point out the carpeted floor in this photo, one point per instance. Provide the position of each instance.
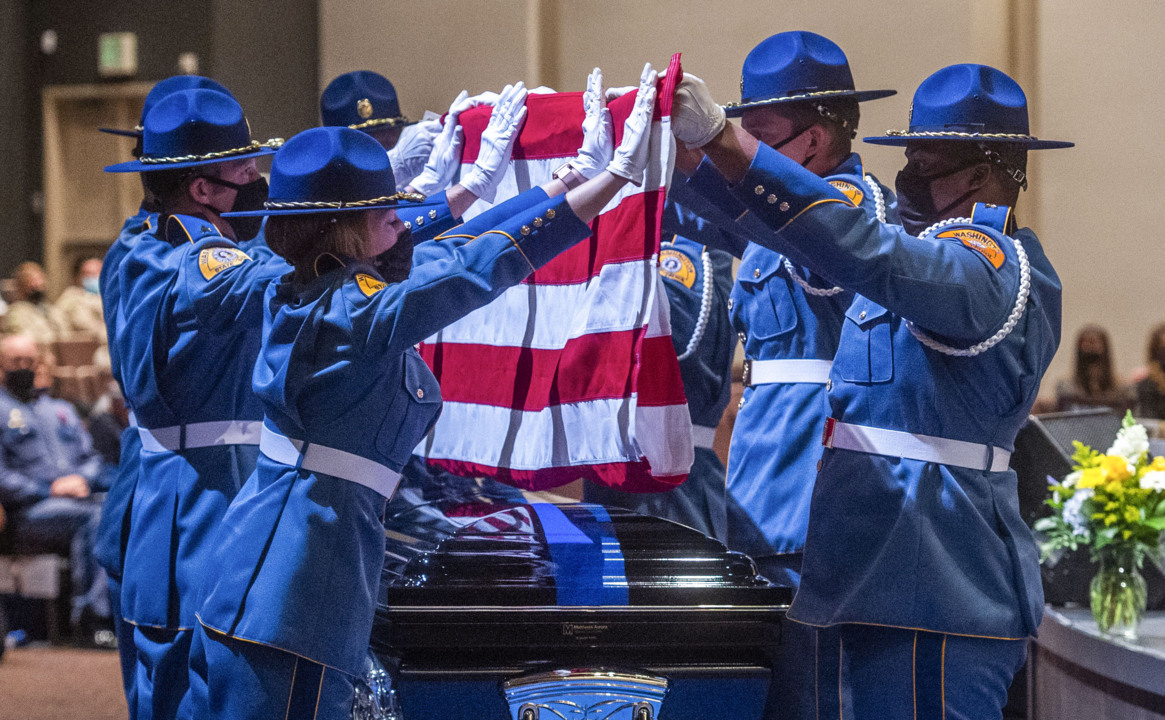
(42, 682)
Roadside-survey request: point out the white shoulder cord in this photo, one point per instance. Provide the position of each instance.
(879, 212)
(705, 307)
(1012, 319)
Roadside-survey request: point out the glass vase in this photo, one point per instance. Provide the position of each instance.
(1118, 592)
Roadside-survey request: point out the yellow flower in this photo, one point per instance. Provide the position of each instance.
(1115, 467)
(1132, 514)
(1091, 477)
(1127, 534)
(1110, 519)
(1158, 463)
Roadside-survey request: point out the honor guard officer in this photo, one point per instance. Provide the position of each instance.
(115, 510)
(187, 339)
(347, 397)
(916, 549)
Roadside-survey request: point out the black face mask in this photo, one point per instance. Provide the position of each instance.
(916, 202)
(790, 139)
(395, 263)
(36, 297)
(249, 196)
(20, 384)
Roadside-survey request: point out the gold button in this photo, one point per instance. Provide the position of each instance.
(550, 214)
(862, 315)
(537, 222)
(525, 230)
(771, 199)
(756, 272)
(784, 207)
(420, 221)
(759, 190)
(420, 393)
(408, 225)
(432, 214)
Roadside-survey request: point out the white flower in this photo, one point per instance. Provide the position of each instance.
(1073, 514)
(1072, 478)
(1153, 480)
(1131, 443)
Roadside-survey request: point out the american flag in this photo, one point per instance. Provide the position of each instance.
(571, 374)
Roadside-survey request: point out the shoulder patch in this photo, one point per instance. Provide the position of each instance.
(369, 285)
(851, 191)
(677, 266)
(978, 241)
(212, 261)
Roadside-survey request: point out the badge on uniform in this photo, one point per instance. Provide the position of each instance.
(677, 266)
(369, 285)
(851, 191)
(979, 242)
(212, 261)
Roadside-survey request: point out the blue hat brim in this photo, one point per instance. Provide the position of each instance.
(901, 140)
(331, 210)
(123, 133)
(860, 95)
(139, 166)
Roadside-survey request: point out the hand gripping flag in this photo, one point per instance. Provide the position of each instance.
(571, 374)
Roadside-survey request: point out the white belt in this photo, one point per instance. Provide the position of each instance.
(763, 372)
(133, 419)
(330, 461)
(200, 435)
(926, 448)
(703, 436)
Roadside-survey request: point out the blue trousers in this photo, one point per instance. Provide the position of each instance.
(882, 673)
(238, 680)
(161, 675)
(67, 526)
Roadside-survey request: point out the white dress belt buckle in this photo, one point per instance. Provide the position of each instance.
(912, 446)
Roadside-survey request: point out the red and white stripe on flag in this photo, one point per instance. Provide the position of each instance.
(572, 373)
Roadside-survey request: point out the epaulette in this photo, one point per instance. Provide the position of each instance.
(996, 217)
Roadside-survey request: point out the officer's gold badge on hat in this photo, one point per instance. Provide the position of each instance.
(212, 261)
(364, 108)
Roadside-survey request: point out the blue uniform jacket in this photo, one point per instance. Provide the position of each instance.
(902, 542)
(774, 450)
(41, 441)
(109, 547)
(300, 553)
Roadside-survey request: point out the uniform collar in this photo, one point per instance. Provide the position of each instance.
(852, 165)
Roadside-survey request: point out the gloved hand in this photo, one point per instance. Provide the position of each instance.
(630, 159)
(497, 143)
(412, 150)
(598, 146)
(445, 158)
(695, 117)
(613, 93)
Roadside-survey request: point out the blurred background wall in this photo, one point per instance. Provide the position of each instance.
(1091, 74)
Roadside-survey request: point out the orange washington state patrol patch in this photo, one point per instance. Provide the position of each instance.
(369, 285)
(212, 261)
(851, 191)
(979, 242)
(677, 266)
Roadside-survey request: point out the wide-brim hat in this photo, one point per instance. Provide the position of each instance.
(160, 90)
(796, 66)
(189, 128)
(361, 100)
(968, 102)
(332, 169)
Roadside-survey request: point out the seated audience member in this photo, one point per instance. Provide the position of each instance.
(106, 422)
(1150, 391)
(47, 470)
(79, 306)
(30, 314)
(1093, 382)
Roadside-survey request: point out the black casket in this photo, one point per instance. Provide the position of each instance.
(554, 608)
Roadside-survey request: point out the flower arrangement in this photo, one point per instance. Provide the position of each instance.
(1113, 503)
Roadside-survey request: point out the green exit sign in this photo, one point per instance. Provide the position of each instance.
(117, 54)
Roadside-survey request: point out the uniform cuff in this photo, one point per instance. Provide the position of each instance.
(545, 230)
(777, 190)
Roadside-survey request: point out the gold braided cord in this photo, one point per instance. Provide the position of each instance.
(255, 145)
(339, 205)
(951, 133)
(802, 96)
(399, 120)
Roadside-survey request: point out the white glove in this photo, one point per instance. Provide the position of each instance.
(630, 159)
(695, 117)
(412, 150)
(446, 155)
(598, 146)
(613, 93)
(497, 143)
(463, 104)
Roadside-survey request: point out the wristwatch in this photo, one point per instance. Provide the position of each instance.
(569, 176)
